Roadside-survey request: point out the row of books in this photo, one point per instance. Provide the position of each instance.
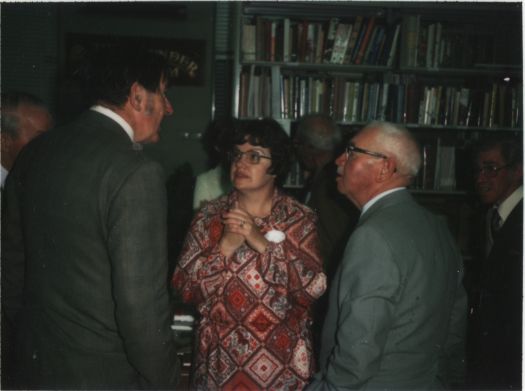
(363, 42)
(440, 45)
(438, 167)
(295, 178)
(499, 105)
(266, 91)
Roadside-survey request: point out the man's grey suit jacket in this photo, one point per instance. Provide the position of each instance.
(87, 215)
(397, 311)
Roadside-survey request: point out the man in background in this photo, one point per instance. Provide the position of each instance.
(23, 116)
(397, 307)
(86, 244)
(317, 142)
(496, 316)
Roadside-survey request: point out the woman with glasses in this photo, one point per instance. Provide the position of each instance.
(251, 264)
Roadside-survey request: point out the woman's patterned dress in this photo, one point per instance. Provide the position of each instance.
(254, 331)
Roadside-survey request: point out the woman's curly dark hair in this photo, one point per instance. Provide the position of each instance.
(267, 133)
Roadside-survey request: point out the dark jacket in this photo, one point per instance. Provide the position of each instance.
(497, 317)
(86, 218)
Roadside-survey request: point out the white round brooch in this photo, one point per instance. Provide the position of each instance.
(275, 236)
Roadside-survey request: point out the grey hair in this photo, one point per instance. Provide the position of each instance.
(320, 131)
(10, 102)
(396, 140)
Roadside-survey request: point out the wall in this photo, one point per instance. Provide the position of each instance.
(33, 41)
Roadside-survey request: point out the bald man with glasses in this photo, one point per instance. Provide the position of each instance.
(397, 307)
(496, 296)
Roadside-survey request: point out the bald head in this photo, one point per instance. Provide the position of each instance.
(394, 140)
(316, 139)
(24, 117)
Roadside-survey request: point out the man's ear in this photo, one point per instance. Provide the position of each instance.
(137, 96)
(388, 168)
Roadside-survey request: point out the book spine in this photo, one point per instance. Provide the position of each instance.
(364, 42)
(286, 39)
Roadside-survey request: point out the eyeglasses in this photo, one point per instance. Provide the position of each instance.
(489, 170)
(253, 156)
(351, 148)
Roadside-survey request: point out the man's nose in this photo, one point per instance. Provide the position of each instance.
(341, 160)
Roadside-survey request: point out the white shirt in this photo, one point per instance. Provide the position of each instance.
(377, 198)
(209, 186)
(3, 174)
(115, 117)
(506, 207)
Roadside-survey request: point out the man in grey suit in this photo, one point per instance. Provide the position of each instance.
(84, 255)
(397, 307)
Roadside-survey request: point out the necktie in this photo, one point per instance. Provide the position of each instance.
(493, 225)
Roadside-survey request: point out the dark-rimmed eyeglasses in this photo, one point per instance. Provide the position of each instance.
(489, 170)
(351, 149)
(252, 156)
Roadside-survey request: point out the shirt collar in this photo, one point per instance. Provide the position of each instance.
(3, 175)
(377, 198)
(506, 207)
(115, 117)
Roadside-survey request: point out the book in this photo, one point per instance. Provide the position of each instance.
(319, 43)
(346, 102)
(411, 24)
(273, 38)
(356, 101)
(259, 39)
(251, 87)
(430, 45)
(486, 109)
(286, 40)
(276, 93)
(373, 44)
(243, 93)
(279, 41)
(393, 47)
(248, 42)
(356, 29)
(359, 39)
(302, 36)
(437, 165)
(342, 37)
(492, 110)
(437, 46)
(330, 39)
(364, 42)
(463, 105)
(446, 168)
(384, 101)
(309, 54)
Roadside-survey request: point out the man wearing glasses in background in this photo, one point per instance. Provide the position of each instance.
(496, 312)
(397, 307)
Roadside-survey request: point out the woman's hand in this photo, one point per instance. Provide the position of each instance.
(239, 222)
(230, 241)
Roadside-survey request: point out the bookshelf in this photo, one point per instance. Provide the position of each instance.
(450, 72)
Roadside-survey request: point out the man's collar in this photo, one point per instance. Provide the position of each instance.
(506, 207)
(377, 198)
(115, 117)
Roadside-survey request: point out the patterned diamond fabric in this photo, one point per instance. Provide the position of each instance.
(254, 331)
